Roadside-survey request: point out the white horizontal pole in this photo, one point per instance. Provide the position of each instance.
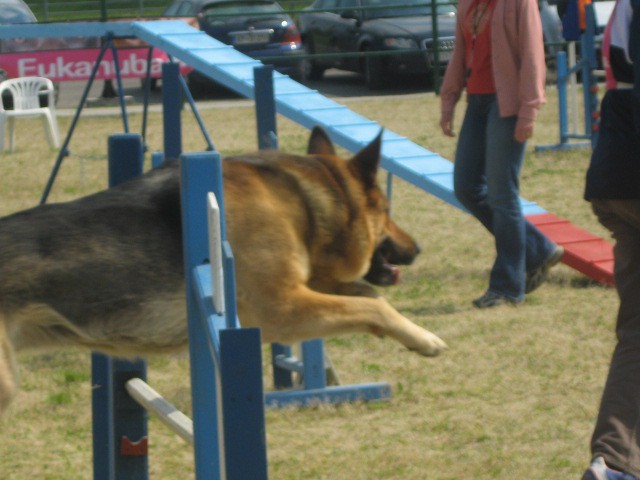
(165, 411)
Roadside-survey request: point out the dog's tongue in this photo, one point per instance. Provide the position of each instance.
(395, 273)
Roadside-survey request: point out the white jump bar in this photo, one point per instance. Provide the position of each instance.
(165, 411)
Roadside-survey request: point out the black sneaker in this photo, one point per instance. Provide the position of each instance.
(537, 277)
(491, 299)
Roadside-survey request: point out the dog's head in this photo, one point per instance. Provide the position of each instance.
(389, 245)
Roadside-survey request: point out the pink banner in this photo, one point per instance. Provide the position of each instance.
(76, 65)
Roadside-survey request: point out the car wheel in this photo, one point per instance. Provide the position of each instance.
(299, 73)
(311, 69)
(373, 71)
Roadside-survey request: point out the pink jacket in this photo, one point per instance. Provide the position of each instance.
(519, 69)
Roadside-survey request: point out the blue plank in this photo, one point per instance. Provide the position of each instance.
(71, 29)
(340, 394)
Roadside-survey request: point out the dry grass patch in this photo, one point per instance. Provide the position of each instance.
(515, 396)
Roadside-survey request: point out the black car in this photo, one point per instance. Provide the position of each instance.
(16, 12)
(258, 28)
(341, 27)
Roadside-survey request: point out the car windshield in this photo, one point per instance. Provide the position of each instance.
(260, 9)
(183, 8)
(404, 8)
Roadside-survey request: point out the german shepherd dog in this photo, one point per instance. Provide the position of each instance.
(105, 271)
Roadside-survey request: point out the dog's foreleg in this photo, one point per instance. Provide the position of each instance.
(309, 314)
(412, 336)
(8, 382)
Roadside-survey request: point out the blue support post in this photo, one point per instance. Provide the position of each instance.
(563, 75)
(227, 390)
(265, 107)
(198, 173)
(243, 404)
(312, 365)
(315, 375)
(130, 423)
(102, 417)
(282, 376)
(119, 424)
(268, 139)
(313, 351)
(172, 106)
(157, 159)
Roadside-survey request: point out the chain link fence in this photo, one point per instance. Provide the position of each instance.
(102, 10)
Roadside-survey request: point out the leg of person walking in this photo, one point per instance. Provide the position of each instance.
(486, 181)
(616, 437)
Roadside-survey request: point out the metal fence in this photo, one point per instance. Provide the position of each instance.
(65, 10)
(104, 10)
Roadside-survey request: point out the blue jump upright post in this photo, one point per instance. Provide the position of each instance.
(119, 423)
(172, 106)
(311, 367)
(226, 361)
(265, 107)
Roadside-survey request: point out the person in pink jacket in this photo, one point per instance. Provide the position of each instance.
(499, 60)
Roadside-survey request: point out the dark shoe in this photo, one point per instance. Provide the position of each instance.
(491, 299)
(599, 471)
(537, 277)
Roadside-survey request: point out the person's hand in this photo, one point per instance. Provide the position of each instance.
(446, 124)
(523, 133)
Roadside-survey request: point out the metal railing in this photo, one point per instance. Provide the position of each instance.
(102, 10)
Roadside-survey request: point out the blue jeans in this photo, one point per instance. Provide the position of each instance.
(486, 181)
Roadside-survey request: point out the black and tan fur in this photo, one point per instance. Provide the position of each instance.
(105, 271)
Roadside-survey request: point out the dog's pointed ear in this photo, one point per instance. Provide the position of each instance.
(366, 162)
(320, 143)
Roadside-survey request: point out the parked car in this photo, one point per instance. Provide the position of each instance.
(18, 12)
(14, 12)
(258, 28)
(353, 26)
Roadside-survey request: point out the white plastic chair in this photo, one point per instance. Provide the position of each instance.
(27, 93)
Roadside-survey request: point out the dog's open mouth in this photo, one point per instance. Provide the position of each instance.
(382, 272)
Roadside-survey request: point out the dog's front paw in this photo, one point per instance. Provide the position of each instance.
(430, 345)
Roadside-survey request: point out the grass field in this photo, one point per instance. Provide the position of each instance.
(514, 397)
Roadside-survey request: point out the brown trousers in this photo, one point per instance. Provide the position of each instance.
(616, 436)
